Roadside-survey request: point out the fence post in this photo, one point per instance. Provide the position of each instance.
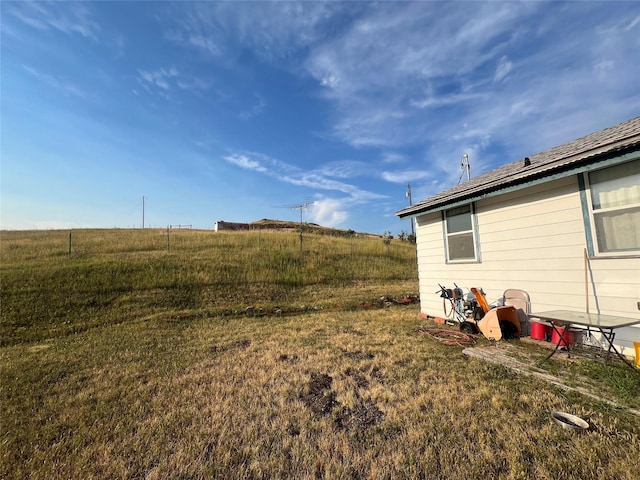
(168, 238)
(69, 242)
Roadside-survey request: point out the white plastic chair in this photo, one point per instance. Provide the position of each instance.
(521, 301)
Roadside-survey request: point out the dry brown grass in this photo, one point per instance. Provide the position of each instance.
(127, 361)
(229, 398)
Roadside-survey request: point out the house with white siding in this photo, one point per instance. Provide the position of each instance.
(562, 225)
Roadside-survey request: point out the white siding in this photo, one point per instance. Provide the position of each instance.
(533, 240)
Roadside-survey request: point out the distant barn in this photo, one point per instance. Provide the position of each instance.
(230, 226)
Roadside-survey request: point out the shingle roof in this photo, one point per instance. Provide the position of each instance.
(584, 150)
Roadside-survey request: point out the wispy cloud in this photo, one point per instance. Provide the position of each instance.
(256, 109)
(344, 169)
(632, 24)
(387, 59)
(392, 157)
(163, 80)
(503, 69)
(73, 18)
(405, 176)
(244, 162)
(318, 179)
(194, 39)
(435, 101)
(451, 77)
(58, 83)
(158, 78)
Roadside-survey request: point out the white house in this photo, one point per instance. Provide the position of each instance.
(528, 224)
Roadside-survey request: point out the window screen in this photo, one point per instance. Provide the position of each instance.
(615, 206)
(459, 234)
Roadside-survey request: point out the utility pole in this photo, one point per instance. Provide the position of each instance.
(408, 195)
(143, 211)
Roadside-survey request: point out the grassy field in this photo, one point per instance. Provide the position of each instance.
(125, 360)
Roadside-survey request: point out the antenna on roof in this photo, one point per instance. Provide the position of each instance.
(464, 164)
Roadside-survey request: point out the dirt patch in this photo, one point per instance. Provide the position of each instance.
(288, 358)
(358, 355)
(358, 377)
(363, 415)
(351, 331)
(375, 372)
(240, 344)
(293, 430)
(320, 399)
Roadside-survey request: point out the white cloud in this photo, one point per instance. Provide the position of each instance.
(405, 176)
(245, 162)
(329, 212)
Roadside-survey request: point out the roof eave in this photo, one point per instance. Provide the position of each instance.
(544, 174)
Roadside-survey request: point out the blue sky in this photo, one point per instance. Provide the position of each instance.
(232, 110)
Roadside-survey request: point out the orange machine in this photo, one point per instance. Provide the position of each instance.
(498, 322)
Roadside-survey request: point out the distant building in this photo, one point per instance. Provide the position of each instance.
(230, 226)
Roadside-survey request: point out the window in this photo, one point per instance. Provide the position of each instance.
(615, 207)
(459, 233)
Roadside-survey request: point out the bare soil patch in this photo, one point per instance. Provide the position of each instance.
(321, 400)
(239, 344)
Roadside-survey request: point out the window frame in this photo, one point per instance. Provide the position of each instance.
(593, 213)
(473, 231)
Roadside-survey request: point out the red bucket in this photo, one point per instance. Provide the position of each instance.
(540, 331)
(565, 337)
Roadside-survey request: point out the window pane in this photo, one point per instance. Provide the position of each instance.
(459, 219)
(618, 230)
(461, 246)
(616, 186)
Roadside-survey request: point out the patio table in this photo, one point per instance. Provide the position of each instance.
(605, 324)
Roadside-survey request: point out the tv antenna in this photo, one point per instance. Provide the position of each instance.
(301, 207)
(464, 164)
